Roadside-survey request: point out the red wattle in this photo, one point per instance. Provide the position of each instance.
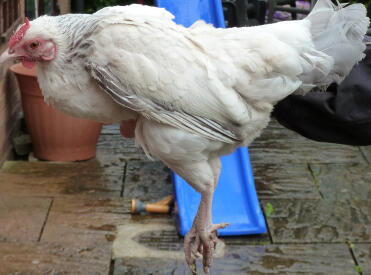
(29, 64)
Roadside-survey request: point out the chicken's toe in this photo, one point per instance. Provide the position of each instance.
(197, 247)
(189, 238)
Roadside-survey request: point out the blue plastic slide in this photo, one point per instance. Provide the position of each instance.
(235, 199)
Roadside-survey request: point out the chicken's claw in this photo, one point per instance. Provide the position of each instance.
(189, 237)
(201, 242)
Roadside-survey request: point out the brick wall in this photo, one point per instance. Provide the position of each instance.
(10, 110)
(10, 101)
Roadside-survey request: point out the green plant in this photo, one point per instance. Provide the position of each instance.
(366, 3)
(358, 268)
(268, 209)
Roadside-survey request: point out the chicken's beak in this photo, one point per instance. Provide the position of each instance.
(7, 56)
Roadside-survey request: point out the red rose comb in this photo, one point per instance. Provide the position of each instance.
(19, 34)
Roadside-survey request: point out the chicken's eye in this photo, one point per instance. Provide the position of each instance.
(34, 45)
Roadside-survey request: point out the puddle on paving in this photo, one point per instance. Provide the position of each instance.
(126, 243)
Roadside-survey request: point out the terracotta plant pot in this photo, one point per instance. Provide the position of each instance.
(55, 136)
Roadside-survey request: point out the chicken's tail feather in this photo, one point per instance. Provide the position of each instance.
(338, 31)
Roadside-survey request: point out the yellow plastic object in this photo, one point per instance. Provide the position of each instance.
(162, 206)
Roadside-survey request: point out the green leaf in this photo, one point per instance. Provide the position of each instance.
(358, 268)
(268, 210)
(351, 245)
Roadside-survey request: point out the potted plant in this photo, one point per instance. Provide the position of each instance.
(55, 136)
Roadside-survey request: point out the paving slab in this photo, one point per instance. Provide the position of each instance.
(149, 181)
(36, 258)
(22, 219)
(284, 180)
(315, 221)
(343, 182)
(111, 129)
(111, 160)
(118, 145)
(84, 228)
(86, 223)
(115, 150)
(362, 252)
(248, 259)
(88, 178)
(278, 144)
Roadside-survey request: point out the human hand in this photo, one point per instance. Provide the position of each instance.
(127, 128)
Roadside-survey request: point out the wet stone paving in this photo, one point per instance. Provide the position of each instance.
(74, 218)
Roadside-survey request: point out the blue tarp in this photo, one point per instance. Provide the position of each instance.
(235, 200)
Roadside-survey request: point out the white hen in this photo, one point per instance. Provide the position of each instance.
(196, 93)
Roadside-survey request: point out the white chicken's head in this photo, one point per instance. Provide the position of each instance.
(30, 44)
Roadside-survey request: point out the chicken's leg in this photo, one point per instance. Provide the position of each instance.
(194, 159)
(202, 238)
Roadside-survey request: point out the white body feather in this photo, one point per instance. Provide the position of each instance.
(228, 76)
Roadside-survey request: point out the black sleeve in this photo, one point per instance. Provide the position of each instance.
(342, 114)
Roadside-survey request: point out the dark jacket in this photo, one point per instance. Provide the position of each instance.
(342, 114)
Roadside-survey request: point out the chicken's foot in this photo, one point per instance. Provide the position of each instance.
(202, 238)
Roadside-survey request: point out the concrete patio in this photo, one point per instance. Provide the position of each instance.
(74, 218)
